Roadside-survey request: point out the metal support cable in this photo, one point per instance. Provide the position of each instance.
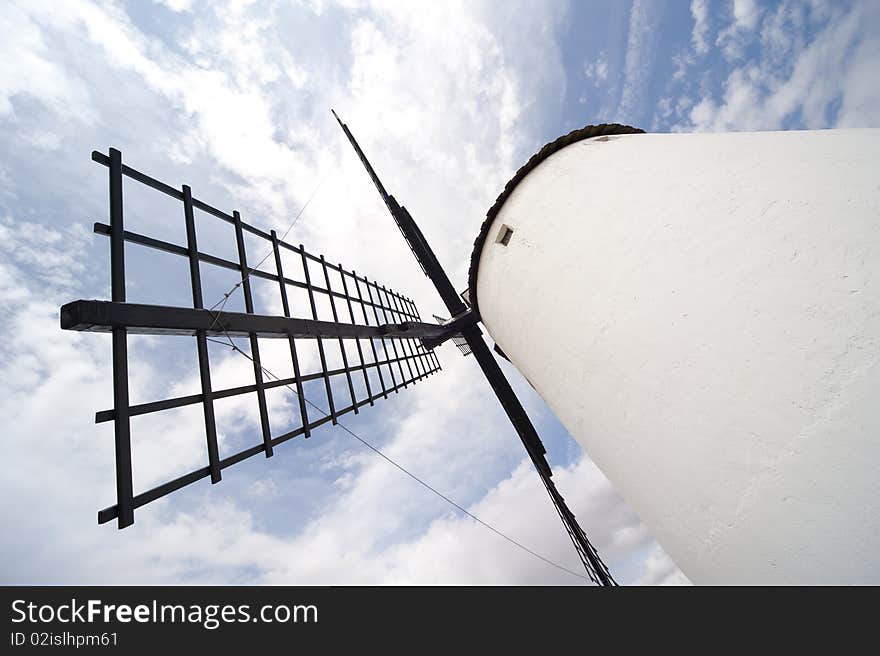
(420, 481)
(222, 301)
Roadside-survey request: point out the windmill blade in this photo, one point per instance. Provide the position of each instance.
(468, 337)
(386, 328)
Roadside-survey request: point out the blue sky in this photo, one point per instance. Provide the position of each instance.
(233, 98)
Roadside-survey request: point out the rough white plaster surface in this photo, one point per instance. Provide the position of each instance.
(702, 312)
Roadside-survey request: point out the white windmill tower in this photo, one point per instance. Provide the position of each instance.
(702, 312)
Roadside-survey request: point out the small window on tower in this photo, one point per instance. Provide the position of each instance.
(504, 235)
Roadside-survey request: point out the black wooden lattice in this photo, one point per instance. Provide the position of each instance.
(382, 323)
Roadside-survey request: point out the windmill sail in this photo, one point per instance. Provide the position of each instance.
(463, 330)
(385, 326)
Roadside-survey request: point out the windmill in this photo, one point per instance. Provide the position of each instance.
(697, 309)
(394, 347)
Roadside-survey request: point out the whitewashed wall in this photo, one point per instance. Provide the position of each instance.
(702, 312)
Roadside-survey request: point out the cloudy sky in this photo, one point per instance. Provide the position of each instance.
(233, 98)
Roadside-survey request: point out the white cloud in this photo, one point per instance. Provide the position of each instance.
(831, 68)
(700, 34)
(597, 71)
(176, 5)
(660, 570)
(734, 39)
(52, 256)
(456, 549)
(746, 13)
(639, 62)
(28, 69)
